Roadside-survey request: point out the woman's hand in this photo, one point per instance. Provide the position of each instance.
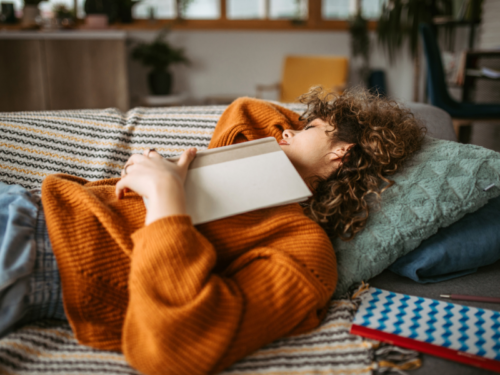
(159, 180)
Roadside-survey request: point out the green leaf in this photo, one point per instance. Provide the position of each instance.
(159, 54)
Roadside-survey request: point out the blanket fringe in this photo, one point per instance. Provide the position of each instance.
(394, 359)
(360, 290)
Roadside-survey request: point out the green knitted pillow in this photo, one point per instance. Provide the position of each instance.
(438, 186)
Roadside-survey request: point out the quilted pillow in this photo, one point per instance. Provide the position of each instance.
(439, 185)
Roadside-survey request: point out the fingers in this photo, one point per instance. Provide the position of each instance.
(149, 166)
(186, 158)
(134, 158)
(120, 188)
(152, 153)
(124, 170)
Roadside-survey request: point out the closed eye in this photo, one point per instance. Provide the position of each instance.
(308, 127)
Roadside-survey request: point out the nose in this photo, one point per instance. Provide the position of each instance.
(288, 133)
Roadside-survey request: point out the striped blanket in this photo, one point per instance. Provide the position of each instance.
(95, 144)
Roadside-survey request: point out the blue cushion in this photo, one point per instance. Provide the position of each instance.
(456, 250)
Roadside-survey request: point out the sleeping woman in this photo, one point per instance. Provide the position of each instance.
(182, 299)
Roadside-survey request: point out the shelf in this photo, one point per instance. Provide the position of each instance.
(64, 34)
(452, 22)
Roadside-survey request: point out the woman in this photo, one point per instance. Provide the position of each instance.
(178, 299)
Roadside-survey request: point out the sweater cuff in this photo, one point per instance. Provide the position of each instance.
(166, 226)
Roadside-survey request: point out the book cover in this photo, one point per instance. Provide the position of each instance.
(231, 180)
(457, 332)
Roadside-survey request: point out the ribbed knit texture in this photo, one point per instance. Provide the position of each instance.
(183, 300)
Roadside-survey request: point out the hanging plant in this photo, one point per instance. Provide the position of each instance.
(400, 20)
(182, 7)
(360, 42)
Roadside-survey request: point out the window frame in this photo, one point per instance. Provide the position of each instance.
(314, 22)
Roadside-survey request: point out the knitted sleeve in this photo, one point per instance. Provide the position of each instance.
(185, 318)
(247, 119)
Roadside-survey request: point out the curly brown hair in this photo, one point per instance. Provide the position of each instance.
(384, 134)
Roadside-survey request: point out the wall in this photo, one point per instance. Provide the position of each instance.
(487, 134)
(233, 62)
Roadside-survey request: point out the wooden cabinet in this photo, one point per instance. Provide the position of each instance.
(70, 72)
(21, 76)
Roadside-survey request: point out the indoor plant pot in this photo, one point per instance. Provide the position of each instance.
(159, 55)
(160, 82)
(31, 14)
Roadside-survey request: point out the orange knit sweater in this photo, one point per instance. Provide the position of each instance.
(179, 299)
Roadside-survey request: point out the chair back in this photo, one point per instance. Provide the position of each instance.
(302, 72)
(436, 80)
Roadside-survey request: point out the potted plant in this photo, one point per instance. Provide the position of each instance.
(98, 13)
(159, 55)
(31, 13)
(63, 15)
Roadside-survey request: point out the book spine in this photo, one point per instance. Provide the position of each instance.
(424, 347)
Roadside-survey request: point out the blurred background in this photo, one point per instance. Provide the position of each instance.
(75, 54)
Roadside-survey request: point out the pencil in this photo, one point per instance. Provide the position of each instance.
(464, 297)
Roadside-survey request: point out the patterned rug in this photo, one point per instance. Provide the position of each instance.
(95, 144)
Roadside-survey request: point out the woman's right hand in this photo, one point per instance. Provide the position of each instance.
(159, 180)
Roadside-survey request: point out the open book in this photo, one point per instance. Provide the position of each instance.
(231, 180)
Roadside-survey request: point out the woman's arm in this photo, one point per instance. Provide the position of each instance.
(183, 318)
(247, 119)
(158, 180)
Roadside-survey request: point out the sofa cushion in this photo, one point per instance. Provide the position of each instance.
(438, 186)
(457, 250)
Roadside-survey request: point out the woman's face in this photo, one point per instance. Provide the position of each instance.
(312, 151)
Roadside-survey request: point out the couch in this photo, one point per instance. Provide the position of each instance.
(95, 144)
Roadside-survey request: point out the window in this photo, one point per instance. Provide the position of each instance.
(336, 9)
(157, 9)
(167, 9)
(287, 9)
(342, 9)
(203, 9)
(238, 14)
(371, 9)
(246, 10)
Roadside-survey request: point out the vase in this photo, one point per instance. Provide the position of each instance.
(31, 16)
(96, 21)
(160, 82)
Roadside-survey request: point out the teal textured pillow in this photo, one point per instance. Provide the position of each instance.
(439, 185)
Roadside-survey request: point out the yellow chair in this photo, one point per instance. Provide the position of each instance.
(300, 73)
